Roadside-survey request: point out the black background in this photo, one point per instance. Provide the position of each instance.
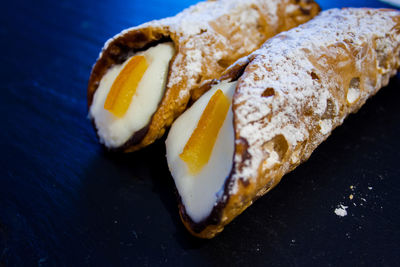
(64, 201)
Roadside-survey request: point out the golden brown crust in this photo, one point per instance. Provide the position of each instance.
(225, 31)
(296, 90)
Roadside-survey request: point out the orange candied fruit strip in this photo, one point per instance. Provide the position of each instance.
(197, 150)
(124, 87)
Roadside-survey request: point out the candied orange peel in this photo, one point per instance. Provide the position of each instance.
(197, 150)
(124, 87)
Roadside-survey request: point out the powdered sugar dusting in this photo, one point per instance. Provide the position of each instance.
(200, 36)
(205, 46)
(306, 101)
(325, 126)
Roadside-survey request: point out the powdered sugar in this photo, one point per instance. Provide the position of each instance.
(199, 34)
(325, 126)
(205, 46)
(288, 64)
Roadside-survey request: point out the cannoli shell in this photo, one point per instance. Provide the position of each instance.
(208, 37)
(293, 92)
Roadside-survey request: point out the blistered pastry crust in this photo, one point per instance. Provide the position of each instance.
(294, 92)
(208, 37)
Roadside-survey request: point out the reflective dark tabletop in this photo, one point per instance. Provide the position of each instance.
(65, 201)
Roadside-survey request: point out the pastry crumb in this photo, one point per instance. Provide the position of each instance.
(341, 210)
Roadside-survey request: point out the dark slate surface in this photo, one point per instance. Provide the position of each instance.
(64, 201)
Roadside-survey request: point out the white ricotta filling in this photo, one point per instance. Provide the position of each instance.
(114, 131)
(199, 193)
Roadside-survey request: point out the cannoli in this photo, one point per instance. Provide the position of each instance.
(146, 75)
(271, 109)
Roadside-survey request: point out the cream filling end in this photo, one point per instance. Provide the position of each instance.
(199, 193)
(113, 131)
